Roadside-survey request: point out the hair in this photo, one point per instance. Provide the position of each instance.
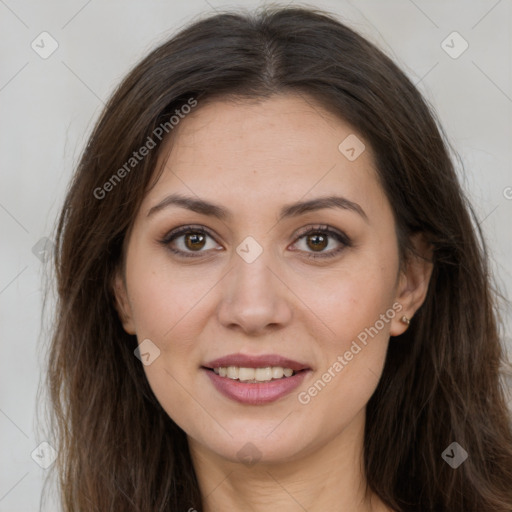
(118, 448)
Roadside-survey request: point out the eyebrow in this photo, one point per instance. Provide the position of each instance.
(291, 210)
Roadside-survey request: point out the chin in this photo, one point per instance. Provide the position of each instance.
(257, 443)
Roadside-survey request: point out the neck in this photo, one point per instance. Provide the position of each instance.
(328, 477)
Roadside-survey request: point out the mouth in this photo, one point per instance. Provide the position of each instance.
(255, 380)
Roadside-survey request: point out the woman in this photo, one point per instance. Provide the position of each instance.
(271, 292)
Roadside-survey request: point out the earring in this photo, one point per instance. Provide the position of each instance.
(405, 320)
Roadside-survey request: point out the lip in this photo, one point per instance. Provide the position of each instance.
(256, 393)
(252, 393)
(260, 361)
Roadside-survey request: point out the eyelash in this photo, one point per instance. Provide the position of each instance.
(322, 229)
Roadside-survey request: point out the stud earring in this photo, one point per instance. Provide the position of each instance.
(405, 320)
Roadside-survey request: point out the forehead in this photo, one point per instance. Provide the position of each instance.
(278, 150)
(264, 133)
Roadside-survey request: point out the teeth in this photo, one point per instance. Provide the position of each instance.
(263, 374)
(277, 372)
(245, 374)
(232, 372)
(253, 374)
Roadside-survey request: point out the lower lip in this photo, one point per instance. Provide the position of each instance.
(256, 393)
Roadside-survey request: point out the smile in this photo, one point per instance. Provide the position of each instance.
(255, 380)
(254, 375)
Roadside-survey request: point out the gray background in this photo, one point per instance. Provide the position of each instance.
(48, 107)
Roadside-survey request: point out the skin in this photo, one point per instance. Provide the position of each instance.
(253, 158)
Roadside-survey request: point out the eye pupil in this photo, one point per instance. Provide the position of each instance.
(194, 240)
(319, 242)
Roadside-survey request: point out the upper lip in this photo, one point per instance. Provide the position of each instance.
(260, 361)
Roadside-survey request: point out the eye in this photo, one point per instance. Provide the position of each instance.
(195, 241)
(315, 240)
(187, 240)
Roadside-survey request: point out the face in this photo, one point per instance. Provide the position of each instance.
(265, 247)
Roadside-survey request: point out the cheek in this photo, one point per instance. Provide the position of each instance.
(359, 313)
(161, 295)
(168, 308)
(167, 311)
(357, 307)
(353, 298)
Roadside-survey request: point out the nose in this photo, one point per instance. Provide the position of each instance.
(255, 299)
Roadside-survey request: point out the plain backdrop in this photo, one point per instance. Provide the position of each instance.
(48, 107)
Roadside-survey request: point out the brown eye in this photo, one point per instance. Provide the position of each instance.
(317, 241)
(322, 242)
(190, 241)
(194, 241)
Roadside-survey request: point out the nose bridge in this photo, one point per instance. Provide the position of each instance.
(253, 278)
(253, 298)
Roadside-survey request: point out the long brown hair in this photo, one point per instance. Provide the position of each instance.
(118, 449)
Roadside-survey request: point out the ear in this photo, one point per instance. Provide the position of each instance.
(122, 304)
(413, 282)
